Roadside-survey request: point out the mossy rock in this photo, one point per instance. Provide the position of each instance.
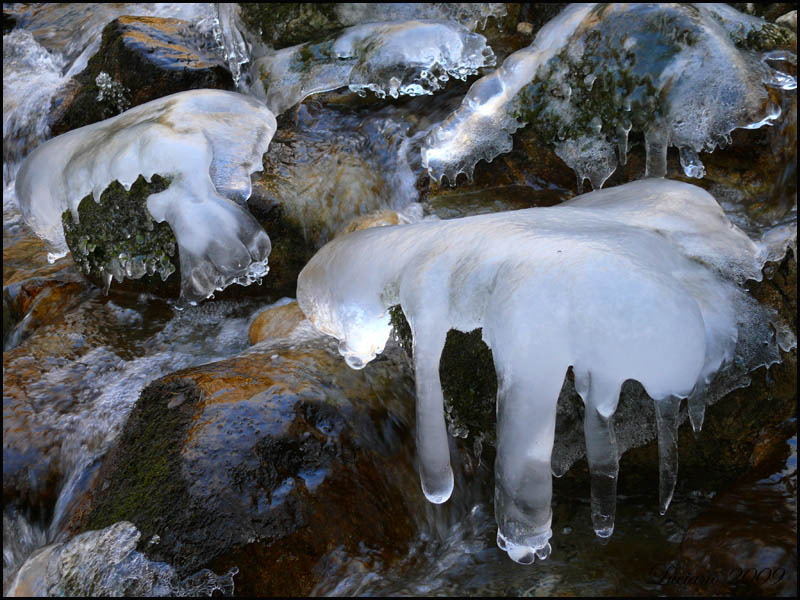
(271, 458)
(118, 237)
(287, 24)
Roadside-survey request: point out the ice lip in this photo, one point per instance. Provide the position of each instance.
(394, 58)
(207, 142)
(640, 281)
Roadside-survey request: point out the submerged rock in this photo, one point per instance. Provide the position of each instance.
(267, 462)
(275, 322)
(139, 59)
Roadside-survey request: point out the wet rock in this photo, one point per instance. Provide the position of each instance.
(275, 322)
(268, 462)
(140, 59)
(745, 543)
(324, 167)
(55, 381)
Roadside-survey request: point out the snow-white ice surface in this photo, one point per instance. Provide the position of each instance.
(635, 282)
(395, 58)
(596, 72)
(207, 142)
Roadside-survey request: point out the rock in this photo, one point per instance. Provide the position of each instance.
(287, 24)
(139, 59)
(789, 19)
(382, 218)
(745, 543)
(275, 322)
(324, 167)
(275, 457)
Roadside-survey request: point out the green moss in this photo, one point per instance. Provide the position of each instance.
(118, 237)
(146, 462)
(770, 37)
(287, 24)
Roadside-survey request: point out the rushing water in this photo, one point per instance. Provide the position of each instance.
(74, 381)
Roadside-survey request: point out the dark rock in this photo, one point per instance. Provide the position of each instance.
(270, 458)
(143, 58)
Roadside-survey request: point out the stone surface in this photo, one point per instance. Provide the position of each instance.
(276, 322)
(144, 58)
(275, 457)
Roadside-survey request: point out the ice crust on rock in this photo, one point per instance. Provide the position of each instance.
(675, 73)
(105, 563)
(207, 142)
(396, 58)
(636, 282)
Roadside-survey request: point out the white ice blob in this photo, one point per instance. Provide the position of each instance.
(207, 142)
(635, 282)
(677, 74)
(395, 58)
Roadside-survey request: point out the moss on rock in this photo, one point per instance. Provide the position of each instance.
(118, 238)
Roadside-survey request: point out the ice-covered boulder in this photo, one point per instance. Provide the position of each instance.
(205, 143)
(682, 75)
(395, 58)
(636, 282)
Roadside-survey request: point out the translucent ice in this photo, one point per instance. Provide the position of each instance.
(411, 58)
(682, 75)
(635, 282)
(207, 142)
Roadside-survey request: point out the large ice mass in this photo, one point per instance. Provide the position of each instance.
(640, 282)
(682, 75)
(395, 58)
(205, 142)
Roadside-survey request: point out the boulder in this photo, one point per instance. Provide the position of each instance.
(267, 461)
(139, 59)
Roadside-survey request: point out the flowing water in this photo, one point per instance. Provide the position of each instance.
(71, 382)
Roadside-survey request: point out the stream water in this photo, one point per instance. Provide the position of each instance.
(71, 383)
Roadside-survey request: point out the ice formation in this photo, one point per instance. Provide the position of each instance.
(682, 75)
(103, 562)
(635, 282)
(395, 58)
(207, 142)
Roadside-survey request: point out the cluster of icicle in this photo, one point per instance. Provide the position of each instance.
(672, 72)
(207, 142)
(641, 282)
(394, 58)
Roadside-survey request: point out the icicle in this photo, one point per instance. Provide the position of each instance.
(656, 140)
(667, 423)
(691, 163)
(435, 472)
(696, 404)
(600, 399)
